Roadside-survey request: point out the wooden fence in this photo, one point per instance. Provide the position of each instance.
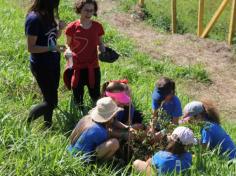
(201, 32)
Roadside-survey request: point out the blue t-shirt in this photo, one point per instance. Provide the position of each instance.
(172, 108)
(166, 162)
(214, 135)
(136, 116)
(90, 139)
(46, 35)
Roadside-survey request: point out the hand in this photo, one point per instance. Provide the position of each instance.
(102, 48)
(158, 136)
(150, 130)
(131, 130)
(62, 25)
(68, 54)
(61, 48)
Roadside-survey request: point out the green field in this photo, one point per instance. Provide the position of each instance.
(158, 13)
(36, 151)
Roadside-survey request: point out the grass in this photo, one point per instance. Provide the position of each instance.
(158, 13)
(36, 151)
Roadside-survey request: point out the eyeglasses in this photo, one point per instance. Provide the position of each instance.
(88, 10)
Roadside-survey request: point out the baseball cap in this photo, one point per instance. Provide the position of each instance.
(193, 108)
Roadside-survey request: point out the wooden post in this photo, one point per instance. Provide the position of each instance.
(141, 3)
(214, 18)
(200, 17)
(232, 23)
(173, 10)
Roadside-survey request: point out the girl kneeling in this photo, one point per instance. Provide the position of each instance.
(90, 135)
(174, 158)
(212, 134)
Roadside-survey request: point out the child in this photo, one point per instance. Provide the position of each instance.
(42, 29)
(164, 97)
(174, 157)
(90, 135)
(120, 93)
(83, 36)
(212, 134)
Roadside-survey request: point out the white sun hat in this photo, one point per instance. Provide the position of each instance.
(105, 110)
(184, 135)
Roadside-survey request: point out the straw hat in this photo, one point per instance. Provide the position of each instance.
(105, 110)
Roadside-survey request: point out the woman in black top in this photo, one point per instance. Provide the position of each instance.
(42, 31)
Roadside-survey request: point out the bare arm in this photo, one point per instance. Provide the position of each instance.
(137, 126)
(32, 47)
(119, 125)
(101, 45)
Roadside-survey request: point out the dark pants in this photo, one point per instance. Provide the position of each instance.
(94, 93)
(48, 81)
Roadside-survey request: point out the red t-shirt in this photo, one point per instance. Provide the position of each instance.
(84, 41)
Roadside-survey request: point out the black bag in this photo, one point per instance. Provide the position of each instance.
(109, 55)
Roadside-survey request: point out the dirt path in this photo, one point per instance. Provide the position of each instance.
(217, 57)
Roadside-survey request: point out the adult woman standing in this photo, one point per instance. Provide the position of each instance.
(42, 31)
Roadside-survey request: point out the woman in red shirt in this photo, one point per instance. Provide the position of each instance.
(83, 36)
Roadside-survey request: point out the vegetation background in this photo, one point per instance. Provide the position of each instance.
(158, 13)
(37, 151)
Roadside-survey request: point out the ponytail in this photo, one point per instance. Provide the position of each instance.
(211, 113)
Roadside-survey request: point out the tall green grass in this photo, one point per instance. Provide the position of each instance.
(36, 151)
(158, 13)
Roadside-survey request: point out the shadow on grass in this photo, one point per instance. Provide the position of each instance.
(68, 117)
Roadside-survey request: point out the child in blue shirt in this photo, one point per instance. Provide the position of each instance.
(120, 92)
(164, 97)
(90, 135)
(212, 134)
(121, 87)
(174, 158)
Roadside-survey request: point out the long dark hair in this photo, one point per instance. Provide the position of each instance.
(113, 86)
(47, 9)
(210, 112)
(84, 123)
(175, 147)
(164, 86)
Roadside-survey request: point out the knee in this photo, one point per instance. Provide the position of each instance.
(139, 165)
(136, 163)
(114, 145)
